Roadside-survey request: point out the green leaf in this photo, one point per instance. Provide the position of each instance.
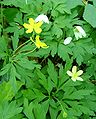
(13, 78)
(64, 51)
(46, 83)
(6, 91)
(80, 94)
(94, 3)
(25, 63)
(28, 109)
(8, 110)
(52, 72)
(89, 15)
(57, 31)
(53, 112)
(5, 69)
(10, 12)
(3, 44)
(53, 48)
(18, 18)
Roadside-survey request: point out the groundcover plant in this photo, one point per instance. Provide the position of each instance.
(48, 59)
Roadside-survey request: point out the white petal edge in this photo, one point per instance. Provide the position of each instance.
(79, 79)
(73, 79)
(74, 69)
(43, 18)
(67, 40)
(80, 72)
(81, 30)
(69, 73)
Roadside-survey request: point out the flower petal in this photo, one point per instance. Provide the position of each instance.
(69, 73)
(39, 44)
(80, 79)
(29, 30)
(37, 27)
(80, 29)
(73, 79)
(31, 21)
(43, 18)
(74, 69)
(43, 45)
(26, 25)
(67, 40)
(38, 30)
(80, 72)
(77, 35)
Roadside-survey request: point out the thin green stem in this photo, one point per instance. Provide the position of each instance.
(60, 104)
(21, 46)
(30, 51)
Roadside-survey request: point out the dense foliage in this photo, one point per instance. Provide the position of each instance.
(35, 61)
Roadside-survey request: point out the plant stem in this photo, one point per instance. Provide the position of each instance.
(60, 104)
(31, 51)
(21, 46)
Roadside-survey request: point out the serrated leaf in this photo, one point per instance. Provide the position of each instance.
(64, 51)
(57, 31)
(52, 72)
(80, 94)
(13, 78)
(28, 64)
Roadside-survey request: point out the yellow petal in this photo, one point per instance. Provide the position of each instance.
(37, 30)
(38, 24)
(74, 69)
(37, 38)
(29, 30)
(26, 25)
(31, 21)
(80, 72)
(39, 44)
(69, 73)
(43, 45)
(37, 27)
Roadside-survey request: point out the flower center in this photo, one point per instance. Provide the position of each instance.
(75, 75)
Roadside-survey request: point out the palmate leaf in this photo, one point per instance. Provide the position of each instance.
(35, 110)
(8, 110)
(45, 82)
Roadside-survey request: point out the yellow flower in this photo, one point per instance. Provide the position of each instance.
(38, 43)
(75, 74)
(33, 26)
